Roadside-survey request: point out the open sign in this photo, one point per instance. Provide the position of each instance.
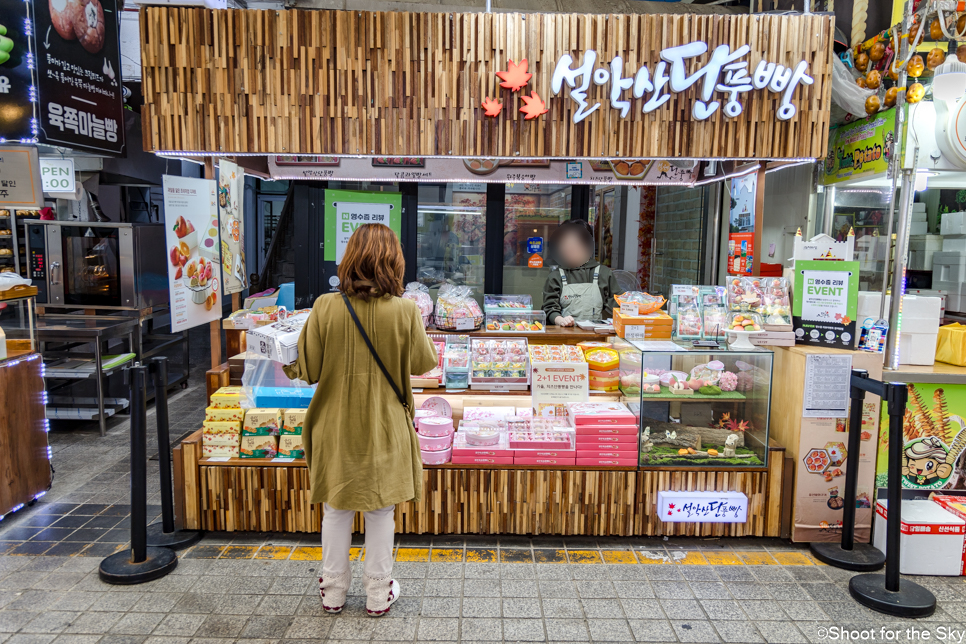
(57, 175)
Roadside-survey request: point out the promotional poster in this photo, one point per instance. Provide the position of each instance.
(194, 267)
(79, 74)
(826, 303)
(17, 91)
(346, 210)
(231, 191)
(741, 233)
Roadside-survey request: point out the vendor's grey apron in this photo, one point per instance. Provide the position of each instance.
(581, 301)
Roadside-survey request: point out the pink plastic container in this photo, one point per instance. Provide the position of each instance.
(435, 426)
(606, 453)
(606, 430)
(435, 443)
(479, 460)
(607, 462)
(436, 458)
(538, 460)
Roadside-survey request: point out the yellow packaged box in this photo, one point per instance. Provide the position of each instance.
(223, 415)
(227, 398)
(951, 344)
(262, 422)
(210, 451)
(221, 439)
(290, 446)
(292, 421)
(221, 427)
(259, 446)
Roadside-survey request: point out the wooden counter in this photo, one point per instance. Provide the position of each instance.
(24, 458)
(938, 373)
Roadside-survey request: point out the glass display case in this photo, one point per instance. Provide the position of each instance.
(698, 407)
(517, 322)
(507, 303)
(499, 364)
(18, 324)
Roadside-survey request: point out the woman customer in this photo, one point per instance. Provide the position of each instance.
(361, 449)
(578, 287)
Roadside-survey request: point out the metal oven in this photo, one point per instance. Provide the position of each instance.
(98, 264)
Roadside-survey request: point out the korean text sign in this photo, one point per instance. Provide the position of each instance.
(555, 383)
(825, 303)
(859, 148)
(347, 210)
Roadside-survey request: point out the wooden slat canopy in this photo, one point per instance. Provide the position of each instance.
(410, 84)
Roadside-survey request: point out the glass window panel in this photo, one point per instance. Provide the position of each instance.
(451, 236)
(532, 210)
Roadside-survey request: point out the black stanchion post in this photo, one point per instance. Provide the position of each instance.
(861, 557)
(164, 534)
(142, 563)
(884, 593)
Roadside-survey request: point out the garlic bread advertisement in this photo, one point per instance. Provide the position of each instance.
(194, 270)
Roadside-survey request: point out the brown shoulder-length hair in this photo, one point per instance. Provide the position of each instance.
(373, 263)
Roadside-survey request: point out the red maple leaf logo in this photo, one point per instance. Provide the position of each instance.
(515, 76)
(493, 107)
(533, 106)
(670, 505)
(669, 513)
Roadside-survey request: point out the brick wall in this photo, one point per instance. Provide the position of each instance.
(678, 230)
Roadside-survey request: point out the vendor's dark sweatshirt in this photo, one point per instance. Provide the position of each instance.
(583, 275)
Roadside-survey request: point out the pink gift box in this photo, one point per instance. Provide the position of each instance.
(607, 441)
(600, 413)
(463, 448)
(545, 453)
(606, 430)
(486, 413)
(435, 443)
(537, 460)
(435, 426)
(479, 460)
(606, 453)
(436, 458)
(607, 462)
(481, 452)
(552, 440)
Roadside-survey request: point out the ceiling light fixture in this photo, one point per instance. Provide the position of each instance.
(949, 83)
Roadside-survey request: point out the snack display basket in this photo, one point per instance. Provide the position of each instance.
(521, 321)
(499, 364)
(507, 303)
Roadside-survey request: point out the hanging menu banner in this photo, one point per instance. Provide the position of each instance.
(194, 270)
(825, 303)
(231, 190)
(78, 74)
(17, 92)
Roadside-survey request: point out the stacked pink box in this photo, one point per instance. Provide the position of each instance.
(435, 435)
(607, 434)
(537, 442)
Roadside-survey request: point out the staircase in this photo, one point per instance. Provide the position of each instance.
(280, 260)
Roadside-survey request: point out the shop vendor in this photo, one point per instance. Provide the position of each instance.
(578, 287)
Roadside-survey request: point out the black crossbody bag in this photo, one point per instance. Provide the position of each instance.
(372, 350)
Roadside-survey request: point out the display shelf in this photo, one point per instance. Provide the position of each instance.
(666, 396)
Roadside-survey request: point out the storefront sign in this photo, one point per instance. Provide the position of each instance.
(724, 72)
(231, 193)
(556, 383)
(934, 439)
(741, 233)
(860, 148)
(826, 303)
(194, 269)
(20, 185)
(346, 210)
(78, 74)
(18, 93)
(535, 261)
(57, 175)
(702, 507)
(535, 244)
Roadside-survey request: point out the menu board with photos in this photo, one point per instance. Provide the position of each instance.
(79, 74)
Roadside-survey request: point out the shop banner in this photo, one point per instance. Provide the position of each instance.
(741, 232)
(416, 169)
(231, 193)
(194, 269)
(825, 303)
(860, 148)
(78, 74)
(553, 384)
(934, 439)
(20, 184)
(18, 100)
(822, 456)
(346, 210)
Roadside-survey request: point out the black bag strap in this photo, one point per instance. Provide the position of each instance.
(372, 350)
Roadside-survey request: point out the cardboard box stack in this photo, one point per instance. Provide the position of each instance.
(654, 326)
(228, 398)
(607, 434)
(260, 433)
(290, 437)
(931, 537)
(221, 431)
(920, 324)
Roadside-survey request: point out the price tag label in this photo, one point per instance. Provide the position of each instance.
(465, 324)
(635, 332)
(283, 460)
(219, 459)
(630, 309)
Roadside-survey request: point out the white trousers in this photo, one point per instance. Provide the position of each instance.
(337, 536)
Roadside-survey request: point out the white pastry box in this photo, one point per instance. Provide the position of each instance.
(920, 324)
(953, 223)
(931, 540)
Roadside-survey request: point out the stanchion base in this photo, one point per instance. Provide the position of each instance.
(118, 569)
(177, 540)
(863, 557)
(912, 600)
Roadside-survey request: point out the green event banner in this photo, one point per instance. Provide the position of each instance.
(346, 210)
(860, 148)
(825, 303)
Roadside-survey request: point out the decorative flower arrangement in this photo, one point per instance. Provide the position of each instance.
(728, 381)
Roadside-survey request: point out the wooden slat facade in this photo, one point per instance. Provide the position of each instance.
(369, 83)
(467, 500)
